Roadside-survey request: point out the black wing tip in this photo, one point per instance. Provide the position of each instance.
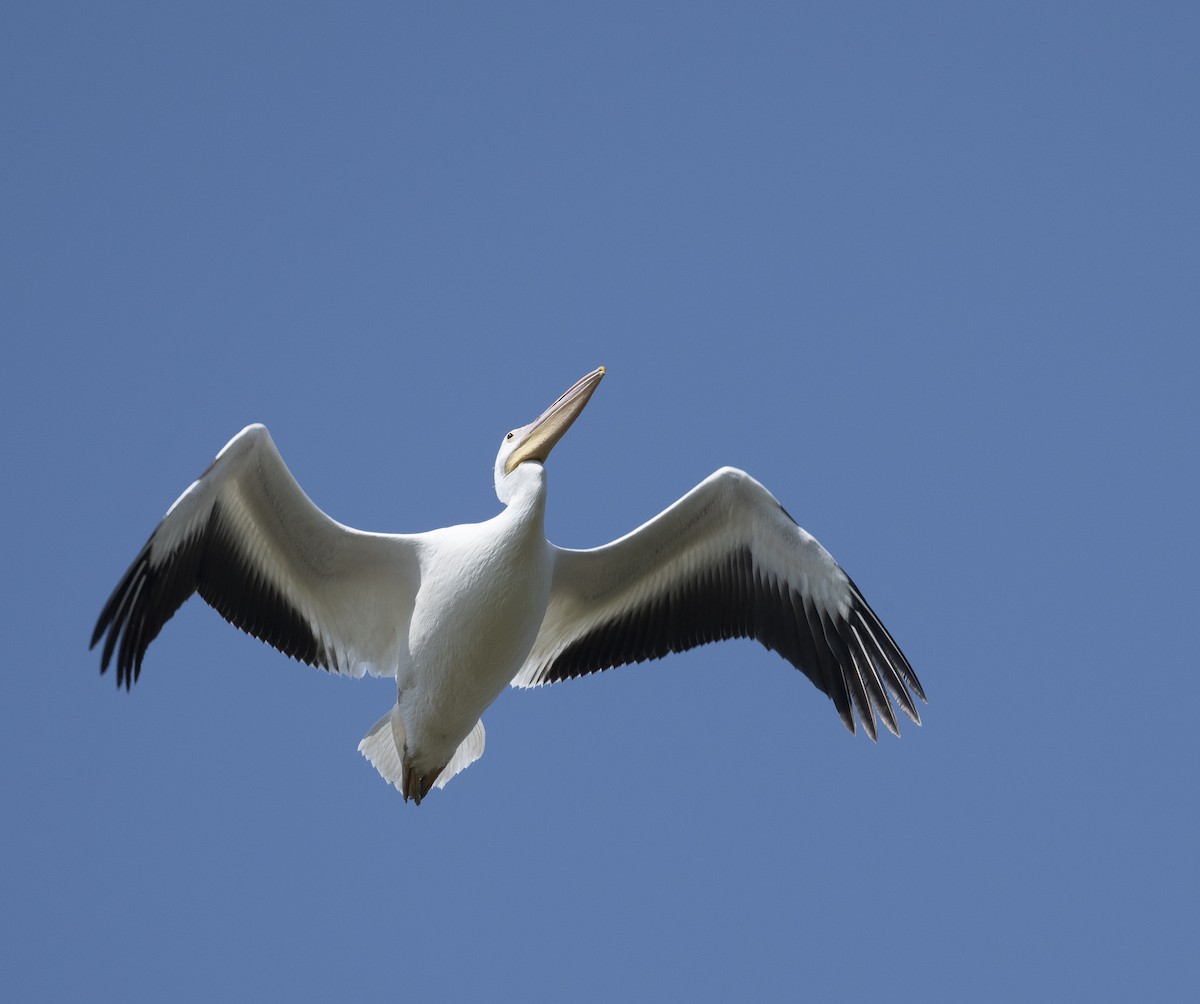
(125, 676)
(846, 717)
(130, 620)
(895, 654)
(915, 686)
(208, 559)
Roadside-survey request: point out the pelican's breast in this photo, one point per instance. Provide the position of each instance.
(483, 594)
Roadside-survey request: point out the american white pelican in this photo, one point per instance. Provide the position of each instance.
(457, 614)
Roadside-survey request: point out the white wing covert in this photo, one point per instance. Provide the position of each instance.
(724, 561)
(248, 539)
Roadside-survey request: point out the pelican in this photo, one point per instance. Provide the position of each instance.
(457, 614)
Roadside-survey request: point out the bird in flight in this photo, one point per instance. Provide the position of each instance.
(457, 614)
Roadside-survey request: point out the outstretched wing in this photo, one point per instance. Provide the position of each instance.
(725, 561)
(255, 547)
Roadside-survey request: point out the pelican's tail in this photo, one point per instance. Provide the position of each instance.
(384, 745)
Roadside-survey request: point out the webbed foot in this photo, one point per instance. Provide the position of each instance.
(417, 785)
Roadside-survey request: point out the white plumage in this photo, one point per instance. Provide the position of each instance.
(458, 613)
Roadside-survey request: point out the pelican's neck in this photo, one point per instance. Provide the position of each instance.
(524, 493)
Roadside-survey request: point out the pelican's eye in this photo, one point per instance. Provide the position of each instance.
(509, 436)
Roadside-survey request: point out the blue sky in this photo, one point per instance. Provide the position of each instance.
(929, 272)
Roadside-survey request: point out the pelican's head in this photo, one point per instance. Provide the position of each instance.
(533, 442)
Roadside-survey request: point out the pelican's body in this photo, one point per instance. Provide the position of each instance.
(457, 614)
(484, 590)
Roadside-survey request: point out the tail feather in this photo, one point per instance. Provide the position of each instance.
(383, 746)
(469, 750)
